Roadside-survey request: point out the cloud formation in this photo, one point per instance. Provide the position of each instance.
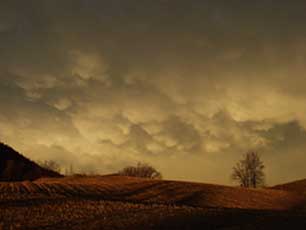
(186, 86)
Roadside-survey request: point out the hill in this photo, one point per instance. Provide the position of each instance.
(298, 186)
(163, 192)
(16, 167)
(116, 202)
(136, 190)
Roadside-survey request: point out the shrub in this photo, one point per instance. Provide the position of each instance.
(141, 170)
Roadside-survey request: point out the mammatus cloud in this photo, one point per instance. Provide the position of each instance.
(186, 87)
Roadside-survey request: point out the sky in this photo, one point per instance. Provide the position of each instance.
(186, 86)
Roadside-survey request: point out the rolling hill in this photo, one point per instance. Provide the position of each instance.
(136, 190)
(298, 186)
(117, 202)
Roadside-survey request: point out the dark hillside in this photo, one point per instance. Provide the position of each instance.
(15, 167)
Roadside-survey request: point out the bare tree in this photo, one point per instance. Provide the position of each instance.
(51, 165)
(69, 170)
(249, 171)
(141, 170)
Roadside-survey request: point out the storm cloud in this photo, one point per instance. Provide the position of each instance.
(188, 86)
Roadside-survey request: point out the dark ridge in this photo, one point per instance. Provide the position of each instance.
(15, 167)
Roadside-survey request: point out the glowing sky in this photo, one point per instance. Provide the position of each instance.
(187, 86)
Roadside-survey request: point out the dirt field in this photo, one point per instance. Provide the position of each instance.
(113, 202)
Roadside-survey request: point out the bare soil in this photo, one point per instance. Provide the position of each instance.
(114, 202)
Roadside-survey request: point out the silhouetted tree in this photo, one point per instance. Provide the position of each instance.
(141, 170)
(249, 171)
(69, 171)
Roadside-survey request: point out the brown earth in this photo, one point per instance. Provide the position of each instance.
(115, 202)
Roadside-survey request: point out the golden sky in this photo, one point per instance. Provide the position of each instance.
(187, 86)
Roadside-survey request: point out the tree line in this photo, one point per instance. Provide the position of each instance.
(248, 172)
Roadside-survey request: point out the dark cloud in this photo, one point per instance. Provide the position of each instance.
(169, 82)
(285, 136)
(285, 150)
(180, 136)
